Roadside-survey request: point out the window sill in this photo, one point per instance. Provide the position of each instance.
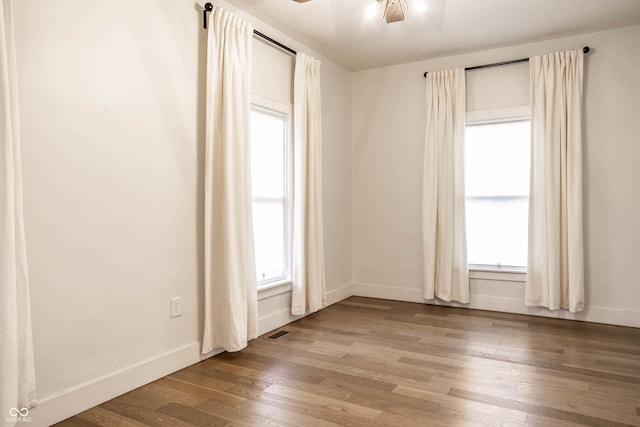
(276, 288)
(508, 274)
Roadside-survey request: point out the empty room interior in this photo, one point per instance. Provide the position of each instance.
(320, 212)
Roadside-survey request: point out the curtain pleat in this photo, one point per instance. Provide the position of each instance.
(446, 275)
(230, 290)
(17, 371)
(555, 267)
(309, 293)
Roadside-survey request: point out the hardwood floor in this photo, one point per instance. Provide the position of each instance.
(368, 362)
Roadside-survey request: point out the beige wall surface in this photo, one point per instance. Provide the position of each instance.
(112, 116)
(388, 139)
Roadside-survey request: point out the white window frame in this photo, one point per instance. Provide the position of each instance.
(494, 116)
(275, 286)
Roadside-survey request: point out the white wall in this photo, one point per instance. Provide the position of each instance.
(111, 97)
(388, 138)
(112, 115)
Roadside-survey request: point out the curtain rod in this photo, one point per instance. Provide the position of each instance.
(208, 7)
(496, 64)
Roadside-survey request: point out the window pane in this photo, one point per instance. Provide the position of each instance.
(497, 159)
(497, 189)
(269, 187)
(497, 231)
(268, 234)
(267, 154)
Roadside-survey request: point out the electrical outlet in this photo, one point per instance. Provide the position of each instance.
(176, 308)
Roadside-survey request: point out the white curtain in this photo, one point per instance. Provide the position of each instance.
(230, 290)
(17, 372)
(309, 293)
(446, 275)
(555, 269)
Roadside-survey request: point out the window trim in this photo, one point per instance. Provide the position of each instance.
(510, 274)
(274, 289)
(498, 115)
(282, 110)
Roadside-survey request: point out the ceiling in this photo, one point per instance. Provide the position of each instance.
(346, 32)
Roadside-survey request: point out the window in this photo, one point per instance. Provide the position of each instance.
(497, 193)
(271, 192)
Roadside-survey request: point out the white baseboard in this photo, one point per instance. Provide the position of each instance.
(611, 316)
(57, 407)
(275, 320)
(388, 292)
(283, 317)
(54, 408)
(339, 294)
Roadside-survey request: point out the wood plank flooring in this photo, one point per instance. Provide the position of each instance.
(368, 362)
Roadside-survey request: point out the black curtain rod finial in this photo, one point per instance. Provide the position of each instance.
(208, 7)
